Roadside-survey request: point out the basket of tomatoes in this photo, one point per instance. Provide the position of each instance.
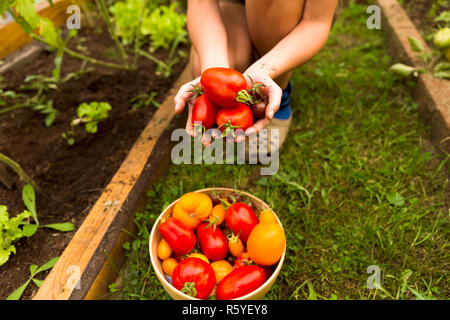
(217, 243)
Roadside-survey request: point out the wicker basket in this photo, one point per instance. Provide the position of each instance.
(155, 237)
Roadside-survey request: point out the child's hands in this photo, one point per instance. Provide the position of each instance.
(273, 93)
(186, 95)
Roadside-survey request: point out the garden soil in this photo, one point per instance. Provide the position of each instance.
(71, 178)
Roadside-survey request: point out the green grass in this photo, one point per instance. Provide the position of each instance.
(358, 184)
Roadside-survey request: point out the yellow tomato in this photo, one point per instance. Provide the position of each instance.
(266, 243)
(199, 255)
(221, 269)
(168, 265)
(192, 208)
(164, 250)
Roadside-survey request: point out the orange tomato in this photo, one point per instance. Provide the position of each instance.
(221, 269)
(164, 250)
(199, 255)
(266, 243)
(235, 245)
(192, 208)
(218, 214)
(168, 265)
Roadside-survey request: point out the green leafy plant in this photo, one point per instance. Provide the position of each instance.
(89, 114)
(439, 69)
(164, 25)
(34, 270)
(145, 100)
(39, 83)
(11, 230)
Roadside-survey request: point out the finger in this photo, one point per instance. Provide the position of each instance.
(274, 94)
(184, 94)
(257, 126)
(189, 127)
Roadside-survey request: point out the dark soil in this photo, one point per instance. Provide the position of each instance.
(71, 178)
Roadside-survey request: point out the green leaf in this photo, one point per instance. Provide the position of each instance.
(29, 229)
(395, 199)
(66, 227)
(33, 269)
(27, 10)
(91, 127)
(5, 4)
(48, 265)
(29, 198)
(51, 34)
(415, 44)
(18, 292)
(38, 282)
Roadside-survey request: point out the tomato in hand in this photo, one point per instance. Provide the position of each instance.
(194, 277)
(240, 282)
(222, 85)
(240, 117)
(180, 238)
(212, 242)
(240, 218)
(204, 111)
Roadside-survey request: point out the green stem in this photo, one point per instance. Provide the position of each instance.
(18, 169)
(84, 57)
(137, 35)
(102, 7)
(17, 106)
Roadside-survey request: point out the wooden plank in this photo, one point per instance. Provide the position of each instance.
(430, 92)
(80, 252)
(12, 35)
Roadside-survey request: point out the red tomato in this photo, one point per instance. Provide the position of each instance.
(204, 110)
(212, 242)
(179, 237)
(267, 272)
(243, 260)
(194, 277)
(240, 282)
(259, 110)
(241, 218)
(222, 85)
(239, 117)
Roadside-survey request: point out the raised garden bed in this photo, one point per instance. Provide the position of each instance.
(72, 178)
(430, 92)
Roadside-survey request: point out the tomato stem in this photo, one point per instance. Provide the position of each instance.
(189, 289)
(196, 90)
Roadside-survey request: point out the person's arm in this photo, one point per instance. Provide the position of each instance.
(209, 39)
(207, 33)
(298, 47)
